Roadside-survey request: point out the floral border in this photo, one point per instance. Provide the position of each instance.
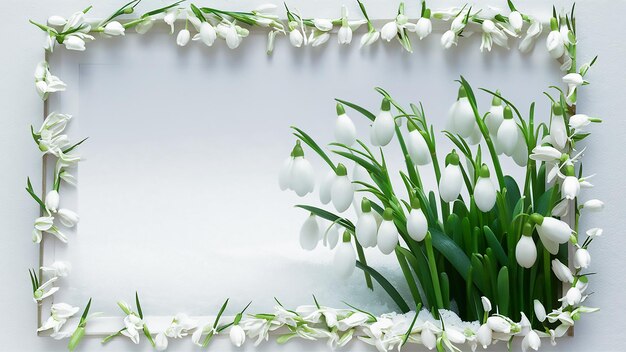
(312, 322)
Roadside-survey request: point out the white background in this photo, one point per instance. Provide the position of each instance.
(597, 34)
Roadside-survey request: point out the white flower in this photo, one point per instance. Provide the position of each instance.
(593, 204)
(132, 323)
(344, 35)
(520, 156)
(342, 192)
(160, 342)
(309, 233)
(451, 180)
(540, 311)
(332, 237)
(582, 259)
(67, 217)
(417, 147)
(545, 153)
(508, 133)
(59, 314)
(237, 335)
(486, 304)
(45, 82)
(183, 37)
(114, 28)
(44, 223)
(74, 42)
(573, 296)
(207, 34)
(516, 21)
(492, 34)
(230, 32)
(56, 21)
(558, 131)
(555, 43)
(318, 38)
(353, 320)
(370, 37)
(499, 324)
(570, 187)
(484, 335)
(45, 290)
(295, 38)
(428, 337)
(484, 191)
(594, 232)
(454, 335)
(180, 326)
(424, 26)
(531, 341)
(366, 225)
(144, 26)
(552, 232)
(58, 269)
(322, 24)
(345, 258)
(297, 173)
(573, 81)
(494, 119)
(383, 128)
(561, 271)
(388, 235)
(526, 251)
(52, 201)
(389, 31)
(534, 30)
(448, 39)
(462, 116)
(345, 131)
(416, 223)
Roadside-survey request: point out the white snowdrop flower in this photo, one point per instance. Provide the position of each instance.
(295, 36)
(428, 337)
(297, 173)
(44, 223)
(170, 17)
(342, 191)
(486, 304)
(540, 311)
(424, 25)
(160, 342)
(573, 81)
(344, 35)
(366, 225)
(573, 296)
(56, 21)
(570, 188)
(133, 324)
(582, 259)
(46, 82)
(484, 336)
(499, 324)
(345, 131)
(454, 335)
(416, 223)
(561, 271)
(309, 233)
(52, 201)
(370, 37)
(322, 24)
(388, 235)
(545, 153)
(345, 258)
(484, 191)
(593, 204)
(525, 250)
(183, 37)
(531, 341)
(551, 230)
(462, 116)
(508, 133)
(318, 38)
(555, 43)
(448, 39)
(68, 218)
(520, 156)
(232, 33)
(417, 147)
(326, 185)
(534, 30)
(180, 326)
(516, 21)
(207, 34)
(451, 180)
(332, 237)
(237, 335)
(74, 42)
(383, 128)
(594, 232)
(114, 28)
(389, 31)
(45, 290)
(492, 34)
(494, 119)
(58, 269)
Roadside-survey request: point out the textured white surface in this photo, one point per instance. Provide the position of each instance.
(21, 107)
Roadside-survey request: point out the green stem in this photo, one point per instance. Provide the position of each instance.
(361, 254)
(432, 266)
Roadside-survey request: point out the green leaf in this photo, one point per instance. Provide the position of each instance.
(347, 224)
(138, 305)
(313, 145)
(363, 111)
(503, 291)
(408, 275)
(492, 242)
(386, 285)
(512, 192)
(451, 251)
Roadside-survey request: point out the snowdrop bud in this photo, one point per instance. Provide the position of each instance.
(384, 125)
(323, 25)
(555, 43)
(366, 225)
(573, 296)
(551, 228)
(237, 335)
(499, 324)
(462, 115)
(540, 311)
(183, 37)
(525, 250)
(74, 43)
(455, 336)
(233, 37)
(417, 146)
(302, 177)
(508, 133)
(345, 131)
(160, 342)
(295, 38)
(342, 191)
(486, 304)
(326, 186)
(56, 21)
(531, 340)
(389, 31)
(570, 188)
(448, 39)
(67, 217)
(451, 180)
(309, 233)
(484, 336)
(345, 258)
(114, 28)
(52, 201)
(594, 204)
(484, 191)
(332, 237)
(582, 259)
(424, 25)
(579, 121)
(561, 271)
(369, 38)
(387, 233)
(429, 340)
(516, 21)
(416, 223)
(496, 116)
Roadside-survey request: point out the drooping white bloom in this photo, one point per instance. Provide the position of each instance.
(207, 34)
(555, 43)
(451, 180)
(366, 225)
(484, 191)
(582, 259)
(58, 269)
(492, 34)
(310, 233)
(45, 290)
(342, 191)
(323, 24)
(67, 217)
(383, 128)
(52, 201)
(462, 116)
(486, 304)
(370, 37)
(332, 237)
(237, 335)
(59, 314)
(526, 252)
(345, 258)
(318, 38)
(114, 28)
(56, 21)
(540, 311)
(428, 337)
(573, 296)
(297, 173)
(389, 31)
(416, 223)
(516, 21)
(484, 336)
(545, 153)
(494, 119)
(295, 37)
(561, 271)
(531, 341)
(183, 37)
(388, 235)
(573, 81)
(231, 33)
(508, 133)
(499, 324)
(570, 188)
(326, 186)
(520, 156)
(46, 82)
(133, 324)
(424, 25)
(593, 204)
(344, 36)
(534, 30)
(160, 342)
(417, 147)
(448, 39)
(74, 42)
(552, 230)
(345, 131)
